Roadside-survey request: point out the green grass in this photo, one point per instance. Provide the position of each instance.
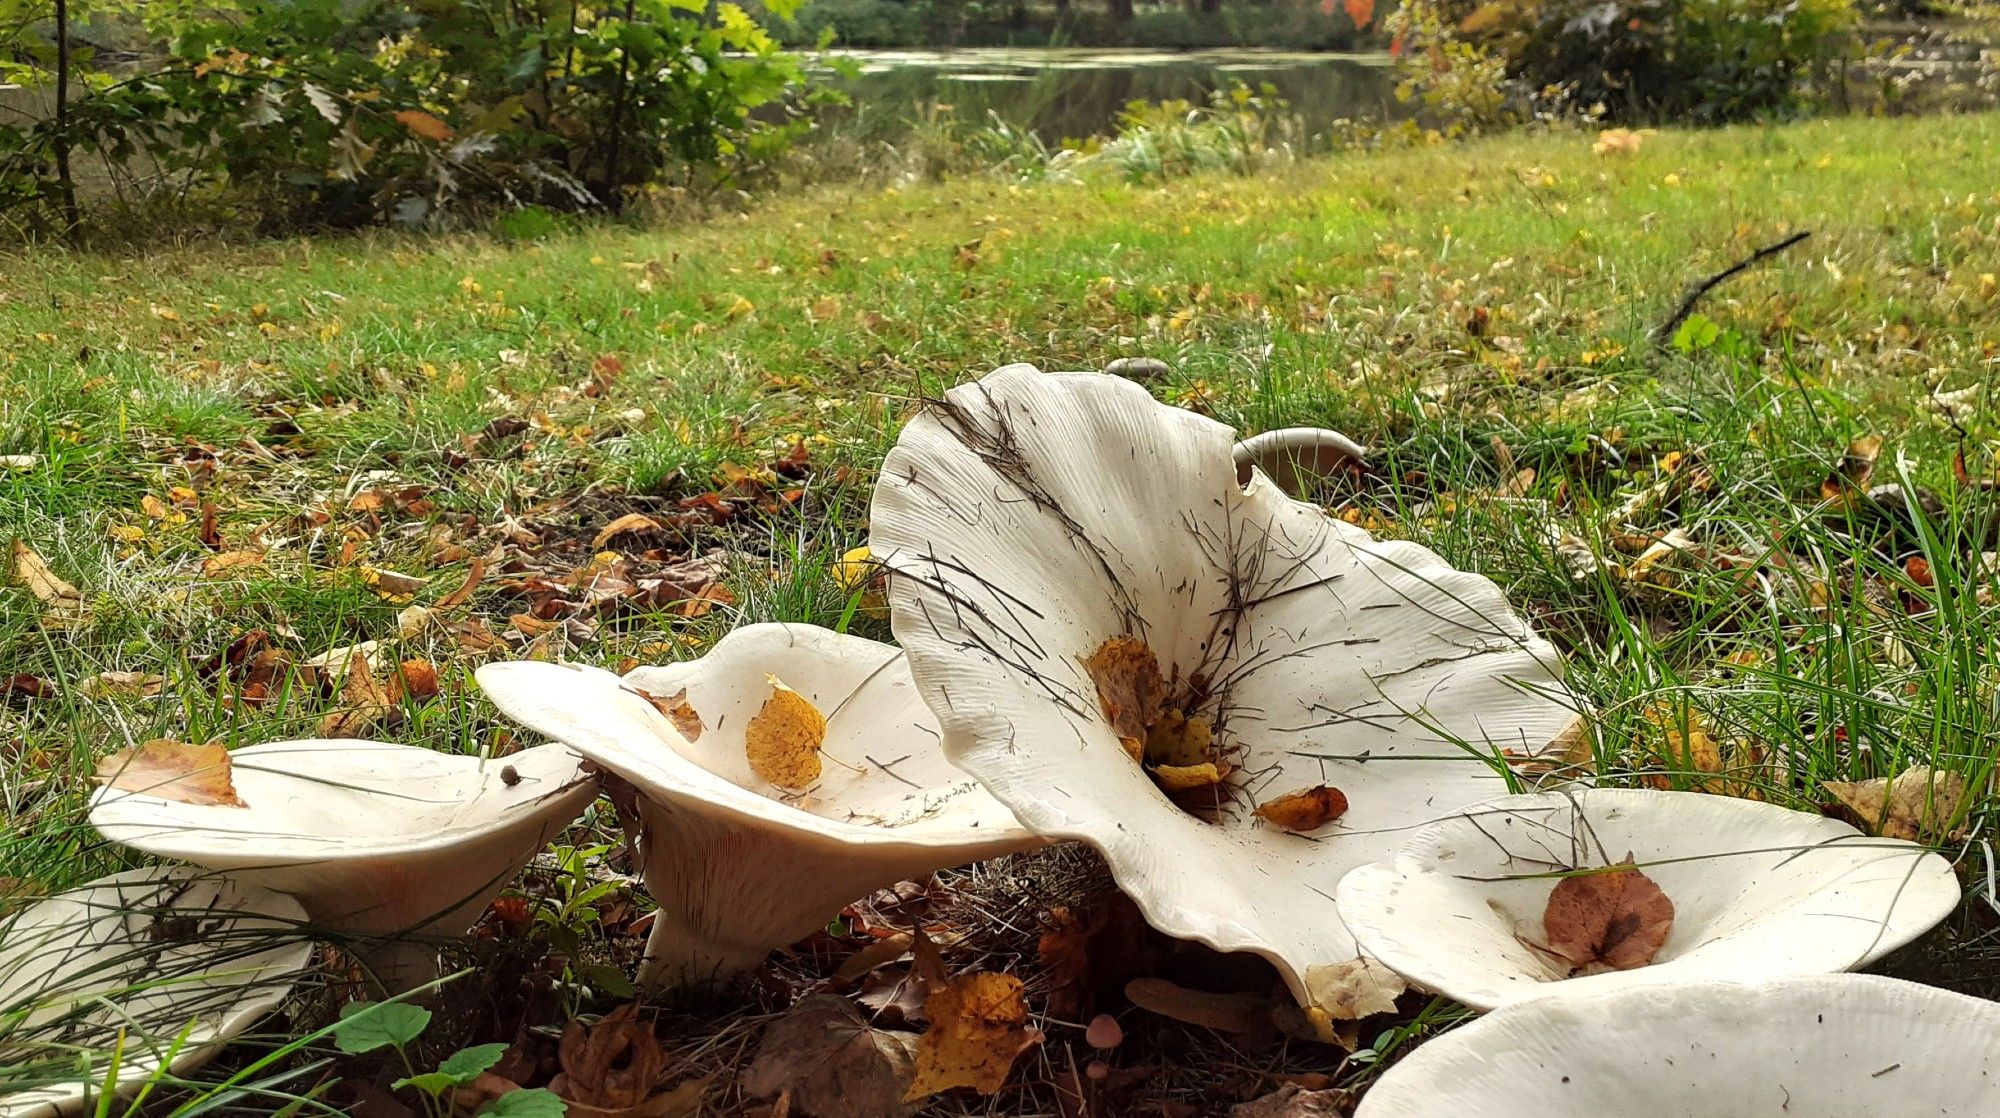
(1450, 307)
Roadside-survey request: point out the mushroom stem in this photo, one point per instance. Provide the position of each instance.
(397, 965)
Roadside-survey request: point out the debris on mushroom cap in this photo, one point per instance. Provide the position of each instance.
(372, 838)
(1029, 520)
(109, 966)
(1844, 1044)
(1473, 907)
(739, 864)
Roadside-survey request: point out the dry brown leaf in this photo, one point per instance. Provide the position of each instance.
(130, 685)
(680, 712)
(391, 586)
(1294, 1101)
(1917, 805)
(979, 1027)
(364, 702)
(1354, 989)
(217, 565)
(424, 124)
(632, 523)
(411, 621)
(1130, 689)
(416, 680)
(613, 1070)
(1850, 478)
(30, 570)
(784, 737)
(1306, 810)
(829, 1063)
(1612, 919)
(26, 686)
(473, 576)
(172, 770)
(1226, 1013)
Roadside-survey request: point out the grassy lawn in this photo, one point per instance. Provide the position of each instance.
(218, 441)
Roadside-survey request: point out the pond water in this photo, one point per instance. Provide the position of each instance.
(1061, 92)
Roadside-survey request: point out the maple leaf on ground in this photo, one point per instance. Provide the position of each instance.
(783, 738)
(172, 770)
(1610, 919)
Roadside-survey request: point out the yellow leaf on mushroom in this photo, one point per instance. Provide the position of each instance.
(1305, 810)
(1354, 989)
(784, 737)
(1916, 806)
(172, 770)
(1178, 739)
(680, 712)
(1182, 778)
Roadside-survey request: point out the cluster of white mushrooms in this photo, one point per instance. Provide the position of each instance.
(1028, 523)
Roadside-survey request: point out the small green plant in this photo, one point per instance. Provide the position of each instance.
(372, 1026)
(570, 917)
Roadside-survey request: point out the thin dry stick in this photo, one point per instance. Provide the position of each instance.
(1665, 334)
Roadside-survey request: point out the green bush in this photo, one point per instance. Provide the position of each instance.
(340, 112)
(1706, 61)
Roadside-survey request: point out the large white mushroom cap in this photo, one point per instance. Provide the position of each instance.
(1028, 518)
(1828, 1046)
(740, 866)
(1758, 891)
(147, 954)
(372, 838)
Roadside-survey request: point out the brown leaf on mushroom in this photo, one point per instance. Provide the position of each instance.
(172, 770)
(783, 739)
(1610, 919)
(1130, 689)
(678, 711)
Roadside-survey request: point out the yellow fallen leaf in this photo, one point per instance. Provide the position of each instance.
(632, 523)
(228, 561)
(1306, 810)
(1182, 778)
(1178, 739)
(172, 770)
(1354, 989)
(390, 585)
(1917, 805)
(783, 739)
(31, 571)
(364, 702)
(979, 1027)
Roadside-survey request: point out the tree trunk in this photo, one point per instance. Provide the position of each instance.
(65, 185)
(1121, 10)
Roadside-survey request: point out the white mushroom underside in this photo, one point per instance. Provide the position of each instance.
(1824, 1046)
(144, 952)
(1035, 516)
(372, 837)
(1758, 891)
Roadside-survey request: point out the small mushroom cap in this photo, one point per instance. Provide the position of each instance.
(1028, 518)
(1830, 1046)
(372, 837)
(1758, 891)
(142, 952)
(1296, 457)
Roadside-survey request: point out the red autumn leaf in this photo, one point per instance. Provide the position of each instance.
(1362, 12)
(1613, 919)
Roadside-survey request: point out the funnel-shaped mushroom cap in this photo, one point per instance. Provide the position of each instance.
(738, 865)
(1758, 891)
(147, 954)
(372, 838)
(1829, 1046)
(1029, 518)
(1295, 458)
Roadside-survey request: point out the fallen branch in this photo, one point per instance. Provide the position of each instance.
(1665, 334)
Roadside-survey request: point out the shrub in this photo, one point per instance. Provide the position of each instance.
(345, 111)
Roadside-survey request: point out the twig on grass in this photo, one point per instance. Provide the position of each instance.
(1664, 335)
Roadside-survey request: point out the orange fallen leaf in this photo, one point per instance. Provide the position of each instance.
(172, 770)
(632, 523)
(424, 124)
(415, 679)
(1305, 810)
(783, 739)
(1856, 466)
(216, 565)
(1611, 919)
(473, 576)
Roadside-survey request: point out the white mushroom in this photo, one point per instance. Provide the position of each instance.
(1296, 458)
(157, 966)
(1028, 519)
(1757, 891)
(738, 865)
(1830, 1046)
(374, 839)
